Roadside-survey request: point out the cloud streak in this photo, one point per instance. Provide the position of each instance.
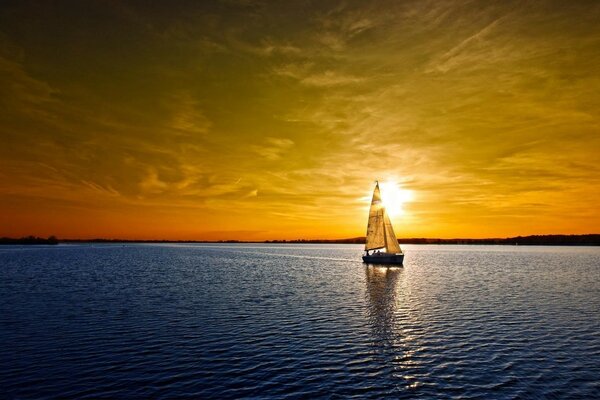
(256, 117)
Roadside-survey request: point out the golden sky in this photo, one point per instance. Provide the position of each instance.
(252, 120)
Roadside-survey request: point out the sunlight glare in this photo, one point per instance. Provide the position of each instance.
(394, 197)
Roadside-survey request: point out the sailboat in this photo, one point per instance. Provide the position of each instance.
(381, 238)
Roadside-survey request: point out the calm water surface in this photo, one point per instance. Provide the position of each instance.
(294, 321)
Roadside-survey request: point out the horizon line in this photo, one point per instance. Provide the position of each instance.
(593, 238)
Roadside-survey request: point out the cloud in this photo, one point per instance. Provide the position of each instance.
(22, 94)
(306, 75)
(250, 194)
(273, 148)
(458, 55)
(267, 47)
(187, 117)
(253, 117)
(330, 78)
(151, 183)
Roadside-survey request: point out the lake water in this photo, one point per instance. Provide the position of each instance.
(298, 321)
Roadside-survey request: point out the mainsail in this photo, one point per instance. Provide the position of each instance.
(380, 233)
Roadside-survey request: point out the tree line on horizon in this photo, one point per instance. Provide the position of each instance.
(29, 240)
(532, 240)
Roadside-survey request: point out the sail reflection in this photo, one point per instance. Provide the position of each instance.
(391, 323)
(382, 301)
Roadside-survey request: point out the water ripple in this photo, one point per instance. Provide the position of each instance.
(294, 321)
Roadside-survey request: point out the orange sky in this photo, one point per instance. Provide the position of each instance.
(271, 120)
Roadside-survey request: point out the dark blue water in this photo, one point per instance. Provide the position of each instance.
(287, 321)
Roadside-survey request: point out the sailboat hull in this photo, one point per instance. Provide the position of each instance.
(384, 258)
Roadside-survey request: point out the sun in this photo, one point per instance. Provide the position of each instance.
(395, 197)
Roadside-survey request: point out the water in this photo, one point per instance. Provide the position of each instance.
(298, 321)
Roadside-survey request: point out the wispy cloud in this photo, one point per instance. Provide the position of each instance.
(458, 55)
(273, 148)
(187, 117)
(306, 74)
(235, 116)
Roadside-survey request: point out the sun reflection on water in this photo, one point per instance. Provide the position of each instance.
(392, 322)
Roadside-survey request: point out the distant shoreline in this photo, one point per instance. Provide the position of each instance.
(532, 240)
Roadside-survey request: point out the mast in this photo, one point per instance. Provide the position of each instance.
(385, 238)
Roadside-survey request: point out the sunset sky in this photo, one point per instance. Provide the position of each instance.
(252, 120)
